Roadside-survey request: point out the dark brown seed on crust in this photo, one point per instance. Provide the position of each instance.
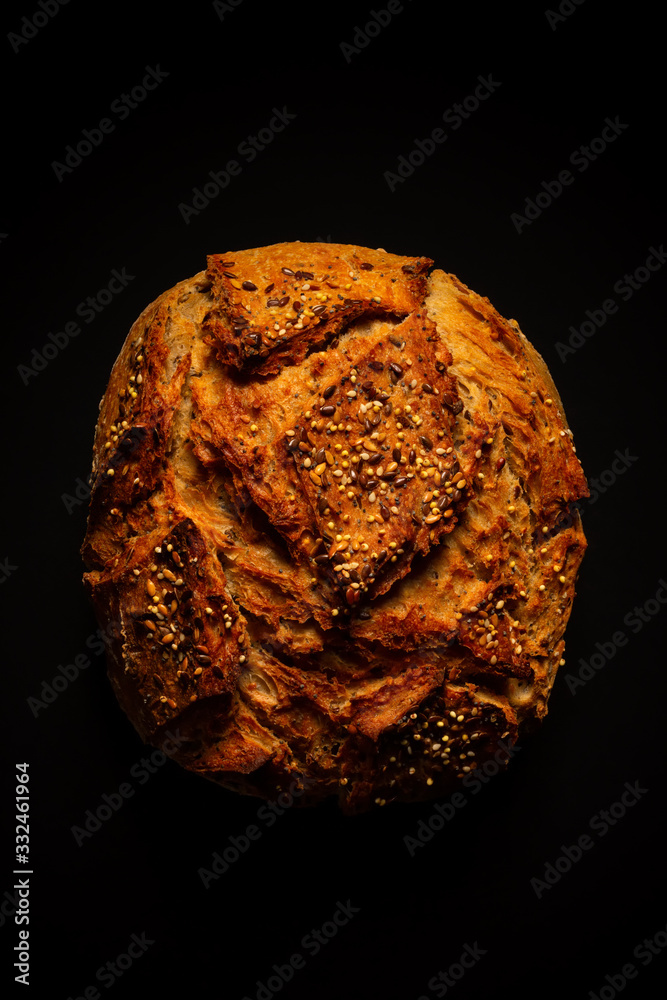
(412, 456)
(396, 341)
(387, 409)
(329, 391)
(397, 370)
(366, 267)
(451, 402)
(396, 454)
(375, 459)
(269, 288)
(297, 306)
(427, 387)
(249, 286)
(272, 302)
(287, 270)
(283, 301)
(318, 309)
(426, 442)
(328, 410)
(228, 274)
(401, 481)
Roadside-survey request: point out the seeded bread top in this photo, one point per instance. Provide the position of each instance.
(310, 552)
(274, 303)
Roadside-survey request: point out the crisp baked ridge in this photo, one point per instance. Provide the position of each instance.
(331, 535)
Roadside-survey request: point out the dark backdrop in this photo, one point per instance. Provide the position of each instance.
(356, 99)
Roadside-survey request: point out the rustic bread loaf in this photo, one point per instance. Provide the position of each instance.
(330, 534)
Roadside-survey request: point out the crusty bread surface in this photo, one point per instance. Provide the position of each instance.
(331, 534)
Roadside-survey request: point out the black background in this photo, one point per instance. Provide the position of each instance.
(322, 179)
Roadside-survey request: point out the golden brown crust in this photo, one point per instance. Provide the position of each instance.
(335, 554)
(274, 303)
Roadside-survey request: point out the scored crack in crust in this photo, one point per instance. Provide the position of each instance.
(331, 535)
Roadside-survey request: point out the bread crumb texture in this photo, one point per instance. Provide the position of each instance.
(331, 532)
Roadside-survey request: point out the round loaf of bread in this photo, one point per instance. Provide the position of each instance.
(331, 541)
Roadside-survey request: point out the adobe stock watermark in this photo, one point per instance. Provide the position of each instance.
(120, 107)
(6, 569)
(87, 310)
(248, 148)
(581, 158)
(112, 970)
(364, 35)
(111, 803)
(600, 824)
(634, 620)
(126, 442)
(239, 844)
(644, 952)
(69, 672)
(444, 812)
(30, 26)
(222, 8)
(625, 288)
(312, 943)
(444, 980)
(454, 117)
(598, 486)
(565, 9)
